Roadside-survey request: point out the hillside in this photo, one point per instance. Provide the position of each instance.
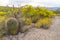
(53, 8)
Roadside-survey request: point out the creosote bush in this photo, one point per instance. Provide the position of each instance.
(12, 25)
(43, 23)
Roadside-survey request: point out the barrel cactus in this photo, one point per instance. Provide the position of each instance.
(12, 26)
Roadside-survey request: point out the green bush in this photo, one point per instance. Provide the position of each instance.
(12, 25)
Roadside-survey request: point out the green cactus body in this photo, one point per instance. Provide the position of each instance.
(12, 25)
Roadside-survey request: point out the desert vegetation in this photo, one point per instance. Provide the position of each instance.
(14, 20)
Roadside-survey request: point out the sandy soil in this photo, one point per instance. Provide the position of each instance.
(53, 33)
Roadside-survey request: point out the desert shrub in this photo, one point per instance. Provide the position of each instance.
(24, 23)
(3, 13)
(44, 23)
(28, 21)
(12, 26)
(35, 13)
(2, 18)
(2, 31)
(26, 28)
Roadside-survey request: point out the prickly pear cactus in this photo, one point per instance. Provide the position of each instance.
(12, 26)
